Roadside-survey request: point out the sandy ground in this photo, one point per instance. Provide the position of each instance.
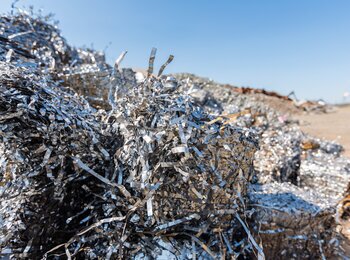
(330, 126)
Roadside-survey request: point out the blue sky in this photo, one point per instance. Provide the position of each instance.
(300, 45)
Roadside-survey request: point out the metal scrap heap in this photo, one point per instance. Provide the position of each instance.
(99, 162)
(298, 179)
(154, 175)
(44, 130)
(189, 171)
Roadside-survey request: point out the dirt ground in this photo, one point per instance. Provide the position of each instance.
(330, 126)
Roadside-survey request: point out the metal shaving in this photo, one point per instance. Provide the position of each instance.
(104, 162)
(299, 179)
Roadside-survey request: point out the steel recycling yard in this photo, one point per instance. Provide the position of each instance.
(99, 161)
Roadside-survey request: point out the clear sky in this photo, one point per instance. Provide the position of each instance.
(300, 45)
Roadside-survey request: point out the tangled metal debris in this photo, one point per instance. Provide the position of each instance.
(102, 162)
(299, 179)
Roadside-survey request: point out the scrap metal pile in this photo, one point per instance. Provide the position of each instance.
(102, 162)
(299, 179)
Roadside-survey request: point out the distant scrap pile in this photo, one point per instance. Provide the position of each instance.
(98, 162)
(318, 106)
